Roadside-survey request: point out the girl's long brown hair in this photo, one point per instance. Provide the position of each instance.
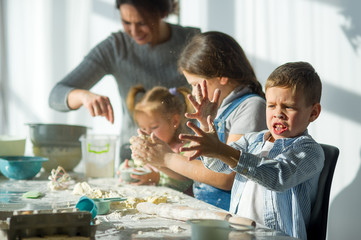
(216, 54)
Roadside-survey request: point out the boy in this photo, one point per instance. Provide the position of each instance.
(277, 169)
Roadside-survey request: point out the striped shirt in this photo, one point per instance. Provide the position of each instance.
(289, 177)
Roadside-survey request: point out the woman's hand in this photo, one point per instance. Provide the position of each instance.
(150, 150)
(203, 143)
(97, 105)
(203, 106)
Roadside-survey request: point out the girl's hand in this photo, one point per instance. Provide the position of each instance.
(150, 151)
(203, 143)
(151, 178)
(203, 106)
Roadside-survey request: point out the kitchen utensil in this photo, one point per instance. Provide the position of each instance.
(12, 145)
(125, 174)
(58, 142)
(103, 204)
(20, 167)
(180, 212)
(87, 204)
(65, 156)
(184, 213)
(99, 154)
(52, 134)
(32, 194)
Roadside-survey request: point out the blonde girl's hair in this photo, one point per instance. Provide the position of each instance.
(216, 54)
(162, 100)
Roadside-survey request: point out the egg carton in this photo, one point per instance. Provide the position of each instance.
(25, 224)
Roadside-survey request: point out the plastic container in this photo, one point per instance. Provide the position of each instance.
(98, 152)
(209, 229)
(103, 204)
(12, 145)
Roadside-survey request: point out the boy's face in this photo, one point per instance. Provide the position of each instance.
(287, 114)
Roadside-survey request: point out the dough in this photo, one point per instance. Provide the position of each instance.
(132, 202)
(183, 213)
(138, 161)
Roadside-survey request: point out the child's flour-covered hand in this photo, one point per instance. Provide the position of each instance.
(203, 143)
(151, 150)
(138, 142)
(203, 106)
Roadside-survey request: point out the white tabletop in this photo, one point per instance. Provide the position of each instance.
(120, 222)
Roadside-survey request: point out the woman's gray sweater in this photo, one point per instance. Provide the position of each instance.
(130, 64)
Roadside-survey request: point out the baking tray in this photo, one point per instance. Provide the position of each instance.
(24, 224)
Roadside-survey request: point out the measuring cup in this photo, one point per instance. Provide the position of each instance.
(103, 204)
(87, 204)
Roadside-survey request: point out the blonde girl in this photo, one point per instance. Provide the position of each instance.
(161, 111)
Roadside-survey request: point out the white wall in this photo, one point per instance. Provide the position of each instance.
(326, 33)
(46, 39)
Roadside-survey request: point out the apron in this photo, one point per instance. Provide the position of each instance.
(207, 193)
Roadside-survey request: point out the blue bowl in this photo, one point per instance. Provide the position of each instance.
(20, 167)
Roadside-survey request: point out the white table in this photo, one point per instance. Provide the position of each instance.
(119, 223)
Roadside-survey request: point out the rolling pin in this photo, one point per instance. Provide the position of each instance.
(237, 220)
(185, 213)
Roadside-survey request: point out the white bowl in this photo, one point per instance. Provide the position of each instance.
(12, 145)
(125, 174)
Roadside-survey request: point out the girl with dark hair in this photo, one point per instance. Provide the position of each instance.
(223, 80)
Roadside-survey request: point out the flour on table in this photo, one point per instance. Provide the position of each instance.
(84, 188)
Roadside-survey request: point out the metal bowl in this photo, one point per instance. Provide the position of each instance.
(48, 134)
(20, 167)
(57, 142)
(67, 157)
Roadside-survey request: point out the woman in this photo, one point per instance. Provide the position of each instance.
(145, 53)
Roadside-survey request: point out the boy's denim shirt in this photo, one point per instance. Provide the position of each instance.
(289, 176)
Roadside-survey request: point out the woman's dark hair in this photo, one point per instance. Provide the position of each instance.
(155, 8)
(216, 54)
(152, 11)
